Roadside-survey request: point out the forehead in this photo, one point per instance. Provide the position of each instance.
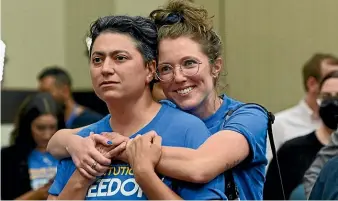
(45, 118)
(107, 42)
(330, 85)
(173, 49)
(327, 67)
(47, 82)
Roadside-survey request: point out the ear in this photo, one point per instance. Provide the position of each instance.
(312, 85)
(217, 67)
(151, 67)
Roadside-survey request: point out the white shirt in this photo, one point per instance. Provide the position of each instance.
(291, 123)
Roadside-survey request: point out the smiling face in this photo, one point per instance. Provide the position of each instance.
(118, 69)
(188, 92)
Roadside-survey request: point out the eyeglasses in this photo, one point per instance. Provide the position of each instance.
(166, 72)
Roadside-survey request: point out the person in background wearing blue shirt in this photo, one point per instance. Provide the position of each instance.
(189, 67)
(58, 83)
(122, 65)
(26, 167)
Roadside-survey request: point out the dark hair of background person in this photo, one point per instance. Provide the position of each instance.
(313, 67)
(61, 76)
(142, 30)
(31, 108)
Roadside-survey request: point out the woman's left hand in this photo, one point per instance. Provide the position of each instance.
(144, 152)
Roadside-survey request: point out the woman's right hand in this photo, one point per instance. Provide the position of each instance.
(92, 155)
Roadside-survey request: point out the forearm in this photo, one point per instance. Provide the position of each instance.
(220, 152)
(154, 188)
(76, 188)
(58, 144)
(178, 163)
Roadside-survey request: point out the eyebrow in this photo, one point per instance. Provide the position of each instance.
(181, 60)
(102, 53)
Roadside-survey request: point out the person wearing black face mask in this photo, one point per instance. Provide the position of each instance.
(296, 155)
(329, 114)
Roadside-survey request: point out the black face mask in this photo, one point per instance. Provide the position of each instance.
(328, 112)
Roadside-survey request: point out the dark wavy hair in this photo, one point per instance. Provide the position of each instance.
(142, 30)
(31, 108)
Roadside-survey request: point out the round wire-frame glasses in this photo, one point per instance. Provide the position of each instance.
(166, 72)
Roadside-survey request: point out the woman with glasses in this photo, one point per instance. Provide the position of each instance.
(189, 66)
(122, 66)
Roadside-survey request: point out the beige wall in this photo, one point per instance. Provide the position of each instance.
(34, 34)
(41, 33)
(268, 41)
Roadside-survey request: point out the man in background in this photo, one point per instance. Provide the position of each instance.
(303, 118)
(57, 81)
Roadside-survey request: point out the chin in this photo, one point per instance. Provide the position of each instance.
(108, 96)
(187, 105)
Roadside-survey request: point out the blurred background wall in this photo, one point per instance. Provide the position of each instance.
(266, 42)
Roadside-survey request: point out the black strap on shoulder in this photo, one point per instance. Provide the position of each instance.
(231, 189)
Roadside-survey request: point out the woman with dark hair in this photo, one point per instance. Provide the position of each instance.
(122, 65)
(26, 167)
(189, 67)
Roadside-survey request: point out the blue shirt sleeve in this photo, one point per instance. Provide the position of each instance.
(65, 170)
(252, 122)
(195, 136)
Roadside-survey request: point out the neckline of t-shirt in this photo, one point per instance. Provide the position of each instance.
(147, 127)
(209, 121)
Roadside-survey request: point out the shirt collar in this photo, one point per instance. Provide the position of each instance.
(306, 108)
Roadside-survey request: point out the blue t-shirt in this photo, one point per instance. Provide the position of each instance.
(251, 121)
(177, 129)
(42, 168)
(326, 186)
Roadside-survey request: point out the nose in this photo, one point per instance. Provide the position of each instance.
(108, 67)
(178, 75)
(47, 135)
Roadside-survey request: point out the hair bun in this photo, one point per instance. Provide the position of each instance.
(165, 17)
(182, 11)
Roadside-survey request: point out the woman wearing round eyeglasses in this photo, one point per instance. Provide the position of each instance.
(189, 66)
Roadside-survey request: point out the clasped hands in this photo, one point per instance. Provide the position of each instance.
(93, 155)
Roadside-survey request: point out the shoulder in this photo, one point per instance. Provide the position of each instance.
(299, 142)
(88, 113)
(86, 117)
(180, 117)
(287, 113)
(292, 146)
(330, 170)
(325, 187)
(98, 127)
(240, 108)
(186, 127)
(247, 114)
